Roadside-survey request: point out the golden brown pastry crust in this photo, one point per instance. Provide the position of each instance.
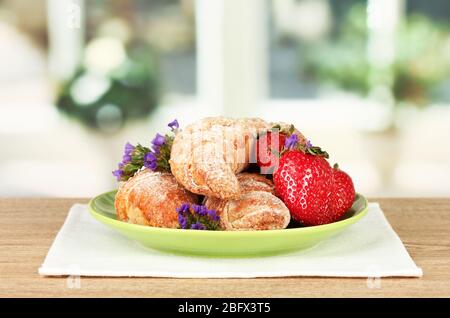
(151, 198)
(207, 154)
(257, 208)
(250, 182)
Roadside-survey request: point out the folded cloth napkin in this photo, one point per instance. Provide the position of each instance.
(369, 248)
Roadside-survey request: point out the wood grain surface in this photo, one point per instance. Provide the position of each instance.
(28, 227)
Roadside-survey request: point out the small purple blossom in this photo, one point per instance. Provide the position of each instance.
(127, 153)
(184, 208)
(129, 148)
(198, 226)
(196, 208)
(150, 161)
(199, 209)
(182, 220)
(118, 174)
(197, 217)
(174, 125)
(126, 159)
(213, 215)
(159, 140)
(308, 144)
(291, 141)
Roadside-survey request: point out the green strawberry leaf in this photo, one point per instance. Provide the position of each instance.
(317, 151)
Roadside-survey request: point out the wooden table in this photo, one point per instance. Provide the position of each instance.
(28, 227)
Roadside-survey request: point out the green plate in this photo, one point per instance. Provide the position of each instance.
(223, 243)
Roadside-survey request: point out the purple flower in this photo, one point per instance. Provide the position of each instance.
(126, 159)
(150, 161)
(291, 141)
(127, 152)
(213, 215)
(174, 125)
(118, 174)
(129, 148)
(182, 220)
(159, 140)
(308, 144)
(199, 209)
(184, 208)
(202, 211)
(198, 226)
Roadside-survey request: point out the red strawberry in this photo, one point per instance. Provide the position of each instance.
(314, 192)
(304, 183)
(268, 147)
(343, 192)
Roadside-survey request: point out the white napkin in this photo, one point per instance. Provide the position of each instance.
(369, 248)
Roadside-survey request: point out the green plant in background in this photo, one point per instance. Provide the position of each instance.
(421, 65)
(342, 62)
(423, 60)
(114, 84)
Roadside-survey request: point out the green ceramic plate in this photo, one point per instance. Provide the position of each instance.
(223, 243)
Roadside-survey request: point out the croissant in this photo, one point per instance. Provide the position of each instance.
(257, 208)
(207, 155)
(151, 198)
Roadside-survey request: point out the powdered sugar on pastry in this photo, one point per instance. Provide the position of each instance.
(257, 208)
(207, 154)
(150, 198)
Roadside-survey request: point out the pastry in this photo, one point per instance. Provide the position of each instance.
(207, 155)
(256, 208)
(151, 198)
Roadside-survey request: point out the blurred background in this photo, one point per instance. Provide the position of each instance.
(369, 81)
